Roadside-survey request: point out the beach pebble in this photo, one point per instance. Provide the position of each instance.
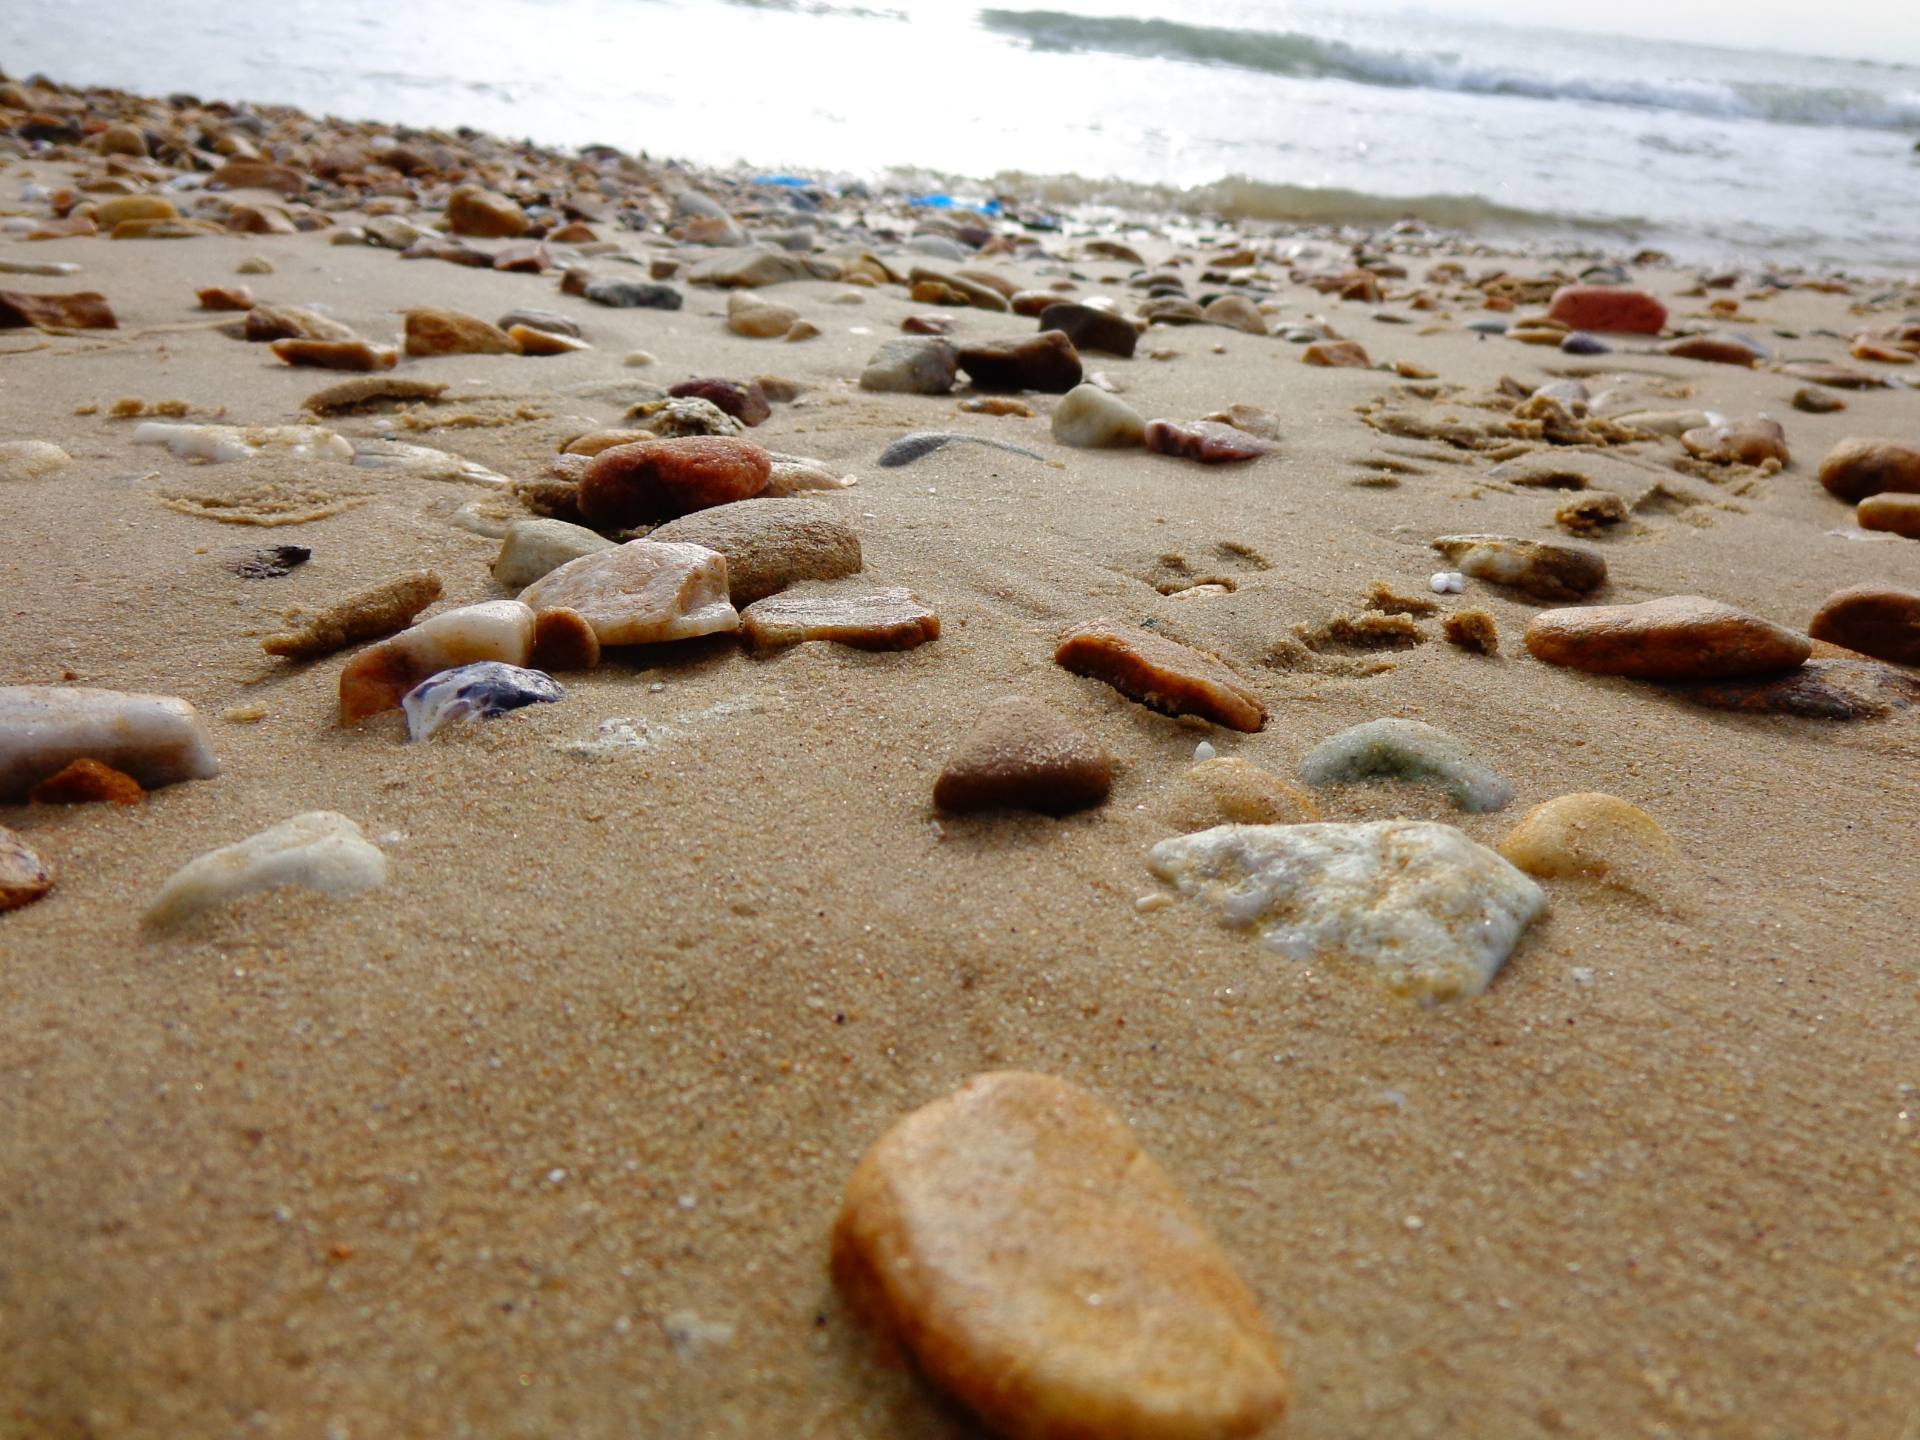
(1896, 513)
(1091, 328)
(1536, 567)
(484, 214)
(1160, 673)
(378, 677)
(563, 639)
(481, 690)
(746, 403)
(997, 405)
(1024, 755)
(1592, 513)
(240, 174)
(789, 475)
(337, 354)
(88, 782)
(1590, 836)
(118, 209)
(351, 395)
(156, 739)
(1045, 1272)
(434, 331)
(1172, 310)
(537, 342)
(678, 417)
(653, 480)
(1879, 620)
(1674, 423)
(551, 321)
(320, 850)
(1088, 418)
(225, 298)
(632, 294)
(1046, 362)
(1337, 354)
(1857, 468)
(1678, 637)
(1236, 312)
(266, 323)
(912, 365)
(1227, 788)
(1611, 309)
(390, 232)
(1581, 343)
(939, 287)
(24, 876)
(1821, 689)
(1250, 419)
(1738, 442)
(364, 615)
(768, 544)
(1473, 631)
(31, 459)
(750, 269)
(1721, 347)
(889, 619)
(1447, 582)
(1207, 441)
(1838, 377)
(1398, 749)
(1433, 914)
(642, 593)
(757, 317)
(640, 359)
(1812, 401)
(533, 548)
(254, 265)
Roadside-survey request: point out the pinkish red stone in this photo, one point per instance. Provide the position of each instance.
(659, 479)
(1608, 308)
(1204, 440)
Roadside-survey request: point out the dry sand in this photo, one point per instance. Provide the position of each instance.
(546, 1138)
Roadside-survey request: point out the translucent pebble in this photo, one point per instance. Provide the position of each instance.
(485, 689)
(319, 850)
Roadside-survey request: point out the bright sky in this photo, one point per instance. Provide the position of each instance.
(1855, 29)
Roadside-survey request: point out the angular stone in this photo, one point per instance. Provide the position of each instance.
(1162, 674)
(769, 544)
(548, 320)
(266, 323)
(320, 850)
(1046, 362)
(485, 214)
(1398, 749)
(225, 297)
(533, 548)
(750, 269)
(483, 690)
(912, 366)
(1821, 689)
(259, 175)
(1087, 417)
(1433, 914)
(1897, 514)
(757, 317)
(1172, 310)
(677, 417)
(1591, 836)
(88, 782)
(377, 678)
(1236, 312)
(1091, 328)
(1609, 309)
(746, 403)
(1024, 755)
(1739, 442)
(642, 593)
(889, 619)
(364, 615)
(83, 310)
(632, 294)
(964, 290)
(1721, 347)
(24, 876)
(433, 331)
(1548, 571)
(44, 728)
(798, 475)
(337, 354)
(1878, 620)
(544, 342)
(1857, 468)
(1207, 441)
(1046, 1273)
(653, 480)
(1678, 637)
(1337, 354)
(31, 459)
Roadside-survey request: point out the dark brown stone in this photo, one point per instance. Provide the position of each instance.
(1024, 755)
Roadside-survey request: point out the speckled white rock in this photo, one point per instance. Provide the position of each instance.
(1433, 913)
(642, 592)
(31, 459)
(320, 850)
(797, 474)
(379, 677)
(1088, 418)
(217, 444)
(44, 728)
(534, 548)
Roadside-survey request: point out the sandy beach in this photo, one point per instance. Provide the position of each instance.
(546, 1136)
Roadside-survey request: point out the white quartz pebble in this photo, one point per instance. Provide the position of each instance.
(44, 728)
(320, 850)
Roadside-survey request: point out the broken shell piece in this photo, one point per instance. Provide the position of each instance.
(218, 444)
(1163, 674)
(320, 850)
(337, 354)
(642, 592)
(377, 679)
(44, 728)
(889, 619)
(484, 689)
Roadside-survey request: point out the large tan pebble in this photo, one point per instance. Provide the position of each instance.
(1899, 514)
(1857, 468)
(1592, 836)
(1678, 637)
(1227, 788)
(1046, 1272)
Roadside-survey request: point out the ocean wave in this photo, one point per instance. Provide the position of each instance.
(1300, 56)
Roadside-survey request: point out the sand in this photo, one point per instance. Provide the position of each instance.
(547, 1137)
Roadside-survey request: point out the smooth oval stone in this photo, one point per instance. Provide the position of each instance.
(1337, 354)
(320, 850)
(912, 365)
(1172, 310)
(1024, 755)
(1227, 788)
(31, 459)
(1088, 418)
(1046, 362)
(484, 214)
(1610, 309)
(1679, 637)
(550, 321)
(632, 294)
(745, 403)
(1878, 620)
(24, 876)
(1551, 572)
(660, 479)
(889, 619)
(758, 318)
(642, 593)
(1432, 915)
(980, 1231)
(1738, 442)
(1590, 836)
(769, 544)
(532, 548)
(1721, 347)
(1091, 328)
(379, 677)
(970, 291)
(1393, 748)
(1897, 514)
(157, 739)
(1236, 312)
(1207, 441)
(1162, 674)
(482, 690)
(118, 209)
(1857, 468)
(1581, 343)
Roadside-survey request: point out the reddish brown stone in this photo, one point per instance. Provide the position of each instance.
(225, 297)
(1878, 620)
(433, 331)
(1680, 637)
(85, 310)
(1024, 755)
(1046, 362)
(659, 479)
(337, 354)
(746, 403)
(1609, 309)
(259, 175)
(1857, 468)
(1721, 349)
(563, 640)
(1161, 673)
(1203, 440)
(1337, 354)
(87, 782)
